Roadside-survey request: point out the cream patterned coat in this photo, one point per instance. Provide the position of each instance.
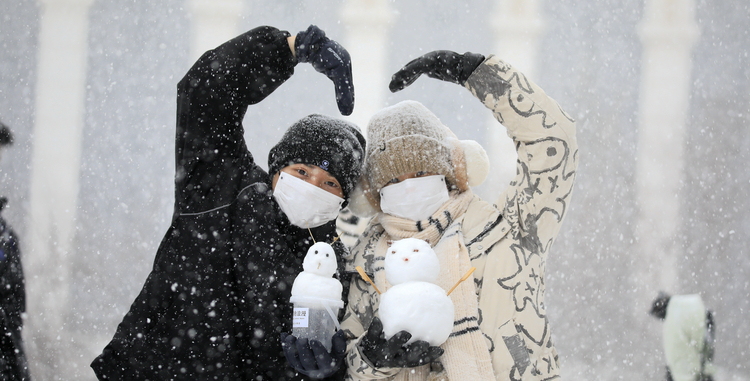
(508, 242)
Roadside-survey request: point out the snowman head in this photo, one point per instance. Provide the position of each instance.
(410, 260)
(320, 260)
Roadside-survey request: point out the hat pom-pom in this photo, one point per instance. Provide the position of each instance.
(477, 162)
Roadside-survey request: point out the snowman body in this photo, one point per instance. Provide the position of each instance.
(415, 303)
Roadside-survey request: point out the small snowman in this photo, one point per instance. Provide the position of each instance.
(415, 303)
(316, 296)
(316, 280)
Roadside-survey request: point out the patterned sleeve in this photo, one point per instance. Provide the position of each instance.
(545, 139)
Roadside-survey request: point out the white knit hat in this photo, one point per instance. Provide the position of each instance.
(406, 138)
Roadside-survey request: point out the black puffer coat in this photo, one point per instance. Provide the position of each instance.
(13, 364)
(217, 298)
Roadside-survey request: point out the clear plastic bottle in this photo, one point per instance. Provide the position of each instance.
(315, 318)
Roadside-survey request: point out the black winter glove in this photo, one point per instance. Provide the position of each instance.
(441, 64)
(392, 353)
(330, 58)
(310, 357)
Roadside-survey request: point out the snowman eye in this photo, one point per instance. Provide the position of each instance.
(326, 255)
(316, 252)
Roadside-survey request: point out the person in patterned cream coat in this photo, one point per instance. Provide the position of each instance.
(501, 330)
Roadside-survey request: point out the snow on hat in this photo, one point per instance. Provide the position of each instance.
(334, 145)
(406, 138)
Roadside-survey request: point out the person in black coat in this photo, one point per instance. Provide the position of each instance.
(217, 300)
(13, 364)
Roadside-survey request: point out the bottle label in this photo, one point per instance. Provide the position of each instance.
(300, 318)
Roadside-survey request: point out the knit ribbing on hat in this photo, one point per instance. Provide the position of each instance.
(334, 145)
(408, 154)
(407, 138)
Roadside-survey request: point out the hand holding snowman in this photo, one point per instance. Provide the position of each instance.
(415, 303)
(416, 315)
(315, 284)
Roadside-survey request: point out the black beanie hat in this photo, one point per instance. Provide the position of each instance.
(334, 145)
(6, 137)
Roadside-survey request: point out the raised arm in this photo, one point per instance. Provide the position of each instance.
(211, 156)
(545, 140)
(212, 100)
(544, 134)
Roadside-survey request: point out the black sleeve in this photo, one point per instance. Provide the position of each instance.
(139, 346)
(342, 275)
(12, 284)
(212, 98)
(13, 362)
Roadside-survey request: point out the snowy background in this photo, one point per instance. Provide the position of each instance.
(589, 60)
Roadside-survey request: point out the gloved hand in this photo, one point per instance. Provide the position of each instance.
(310, 357)
(330, 58)
(441, 64)
(392, 353)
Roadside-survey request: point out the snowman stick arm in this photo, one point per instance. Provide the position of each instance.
(463, 278)
(364, 276)
(311, 234)
(337, 237)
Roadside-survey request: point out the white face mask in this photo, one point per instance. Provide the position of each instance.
(415, 199)
(306, 205)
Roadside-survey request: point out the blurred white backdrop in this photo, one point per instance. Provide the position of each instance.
(660, 201)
